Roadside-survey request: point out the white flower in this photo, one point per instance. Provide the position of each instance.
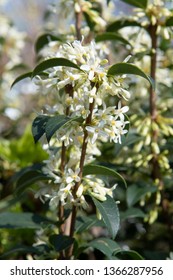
(96, 187)
(72, 176)
(95, 132)
(121, 111)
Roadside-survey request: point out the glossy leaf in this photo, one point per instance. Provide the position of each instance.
(61, 242)
(169, 22)
(84, 223)
(132, 213)
(112, 37)
(56, 122)
(53, 62)
(137, 3)
(29, 178)
(128, 255)
(118, 24)
(22, 249)
(108, 1)
(102, 170)
(53, 124)
(44, 39)
(127, 68)
(21, 77)
(9, 201)
(38, 127)
(21, 220)
(110, 214)
(135, 193)
(104, 245)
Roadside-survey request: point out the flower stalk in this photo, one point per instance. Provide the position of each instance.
(153, 102)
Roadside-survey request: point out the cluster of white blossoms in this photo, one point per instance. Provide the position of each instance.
(156, 12)
(12, 42)
(85, 95)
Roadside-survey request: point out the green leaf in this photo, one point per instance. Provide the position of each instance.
(102, 170)
(38, 250)
(89, 20)
(137, 3)
(38, 127)
(61, 242)
(9, 201)
(29, 178)
(53, 62)
(135, 193)
(128, 255)
(110, 214)
(112, 37)
(53, 124)
(20, 78)
(56, 122)
(21, 220)
(118, 24)
(127, 68)
(84, 223)
(44, 39)
(105, 245)
(126, 141)
(132, 213)
(169, 22)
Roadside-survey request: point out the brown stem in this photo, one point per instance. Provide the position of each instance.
(153, 99)
(78, 17)
(81, 165)
(68, 90)
(153, 109)
(61, 208)
(78, 22)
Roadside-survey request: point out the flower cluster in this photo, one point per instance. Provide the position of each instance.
(82, 95)
(11, 45)
(155, 13)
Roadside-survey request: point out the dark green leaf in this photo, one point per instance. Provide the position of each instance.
(137, 3)
(21, 220)
(169, 22)
(126, 141)
(9, 201)
(44, 39)
(54, 123)
(112, 37)
(85, 223)
(38, 250)
(102, 170)
(132, 213)
(105, 245)
(108, 1)
(128, 255)
(29, 178)
(61, 242)
(21, 172)
(89, 20)
(20, 78)
(38, 127)
(118, 24)
(135, 193)
(127, 68)
(53, 62)
(110, 214)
